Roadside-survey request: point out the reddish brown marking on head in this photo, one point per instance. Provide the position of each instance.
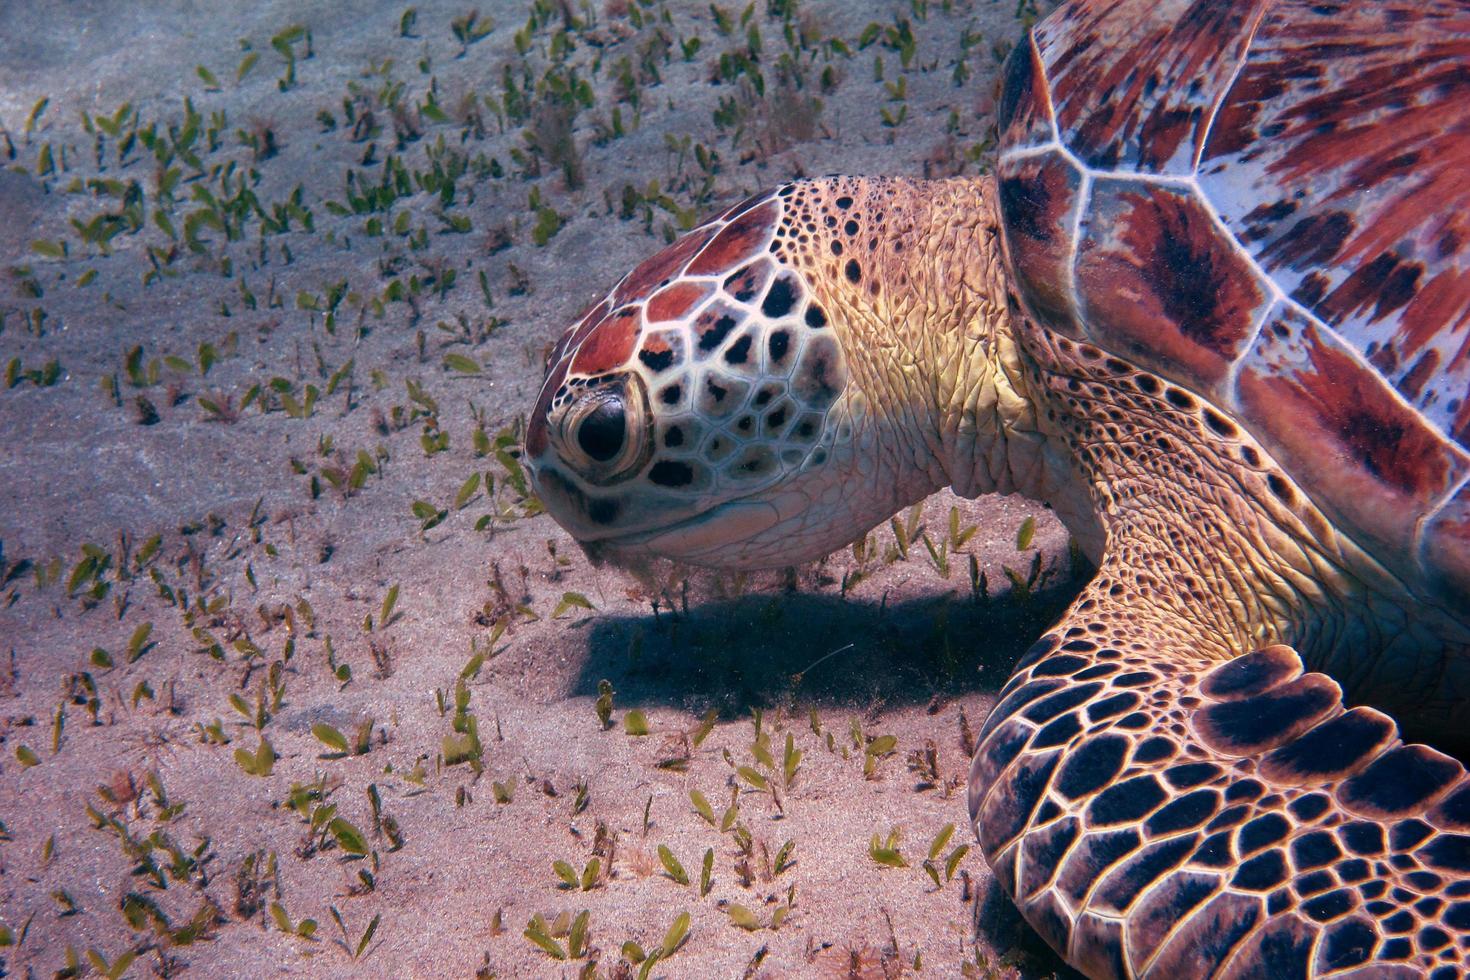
(747, 284)
(714, 325)
(656, 344)
(675, 301)
(656, 352)
(582, 330)
(537, 437)
(1157, 282)
(736, 242)
(609, 345)
(642, 281)
(741, 206)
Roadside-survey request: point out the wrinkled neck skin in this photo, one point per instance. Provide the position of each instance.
(937, 382)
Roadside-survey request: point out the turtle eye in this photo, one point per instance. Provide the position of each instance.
(603, 430)
(604, 433)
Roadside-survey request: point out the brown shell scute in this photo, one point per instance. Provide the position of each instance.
(1039, 198)
(1334, 421)
(1023, 116)
(1340, 158)
(1146, 111)
(1158, 282)
(1275, 213)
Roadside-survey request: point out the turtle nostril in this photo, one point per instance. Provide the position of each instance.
(602, 430)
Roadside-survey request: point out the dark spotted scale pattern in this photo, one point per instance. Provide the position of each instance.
(1264, 867)
(1266, 201)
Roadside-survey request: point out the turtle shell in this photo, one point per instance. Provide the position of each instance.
(1268, 203)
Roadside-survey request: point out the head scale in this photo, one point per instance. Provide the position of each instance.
(695, 412)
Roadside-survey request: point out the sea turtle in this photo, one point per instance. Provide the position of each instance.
(1214, 307)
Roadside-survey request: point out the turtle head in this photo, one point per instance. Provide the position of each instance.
(699, 411)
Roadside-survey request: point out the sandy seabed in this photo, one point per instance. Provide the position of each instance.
(283, 638)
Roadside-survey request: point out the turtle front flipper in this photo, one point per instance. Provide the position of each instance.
(1158, 816)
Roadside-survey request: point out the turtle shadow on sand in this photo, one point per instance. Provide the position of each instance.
(764, 650)
(801, 650)
(772, 649)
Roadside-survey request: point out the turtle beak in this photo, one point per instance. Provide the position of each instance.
(710, 539)
(738, 520)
